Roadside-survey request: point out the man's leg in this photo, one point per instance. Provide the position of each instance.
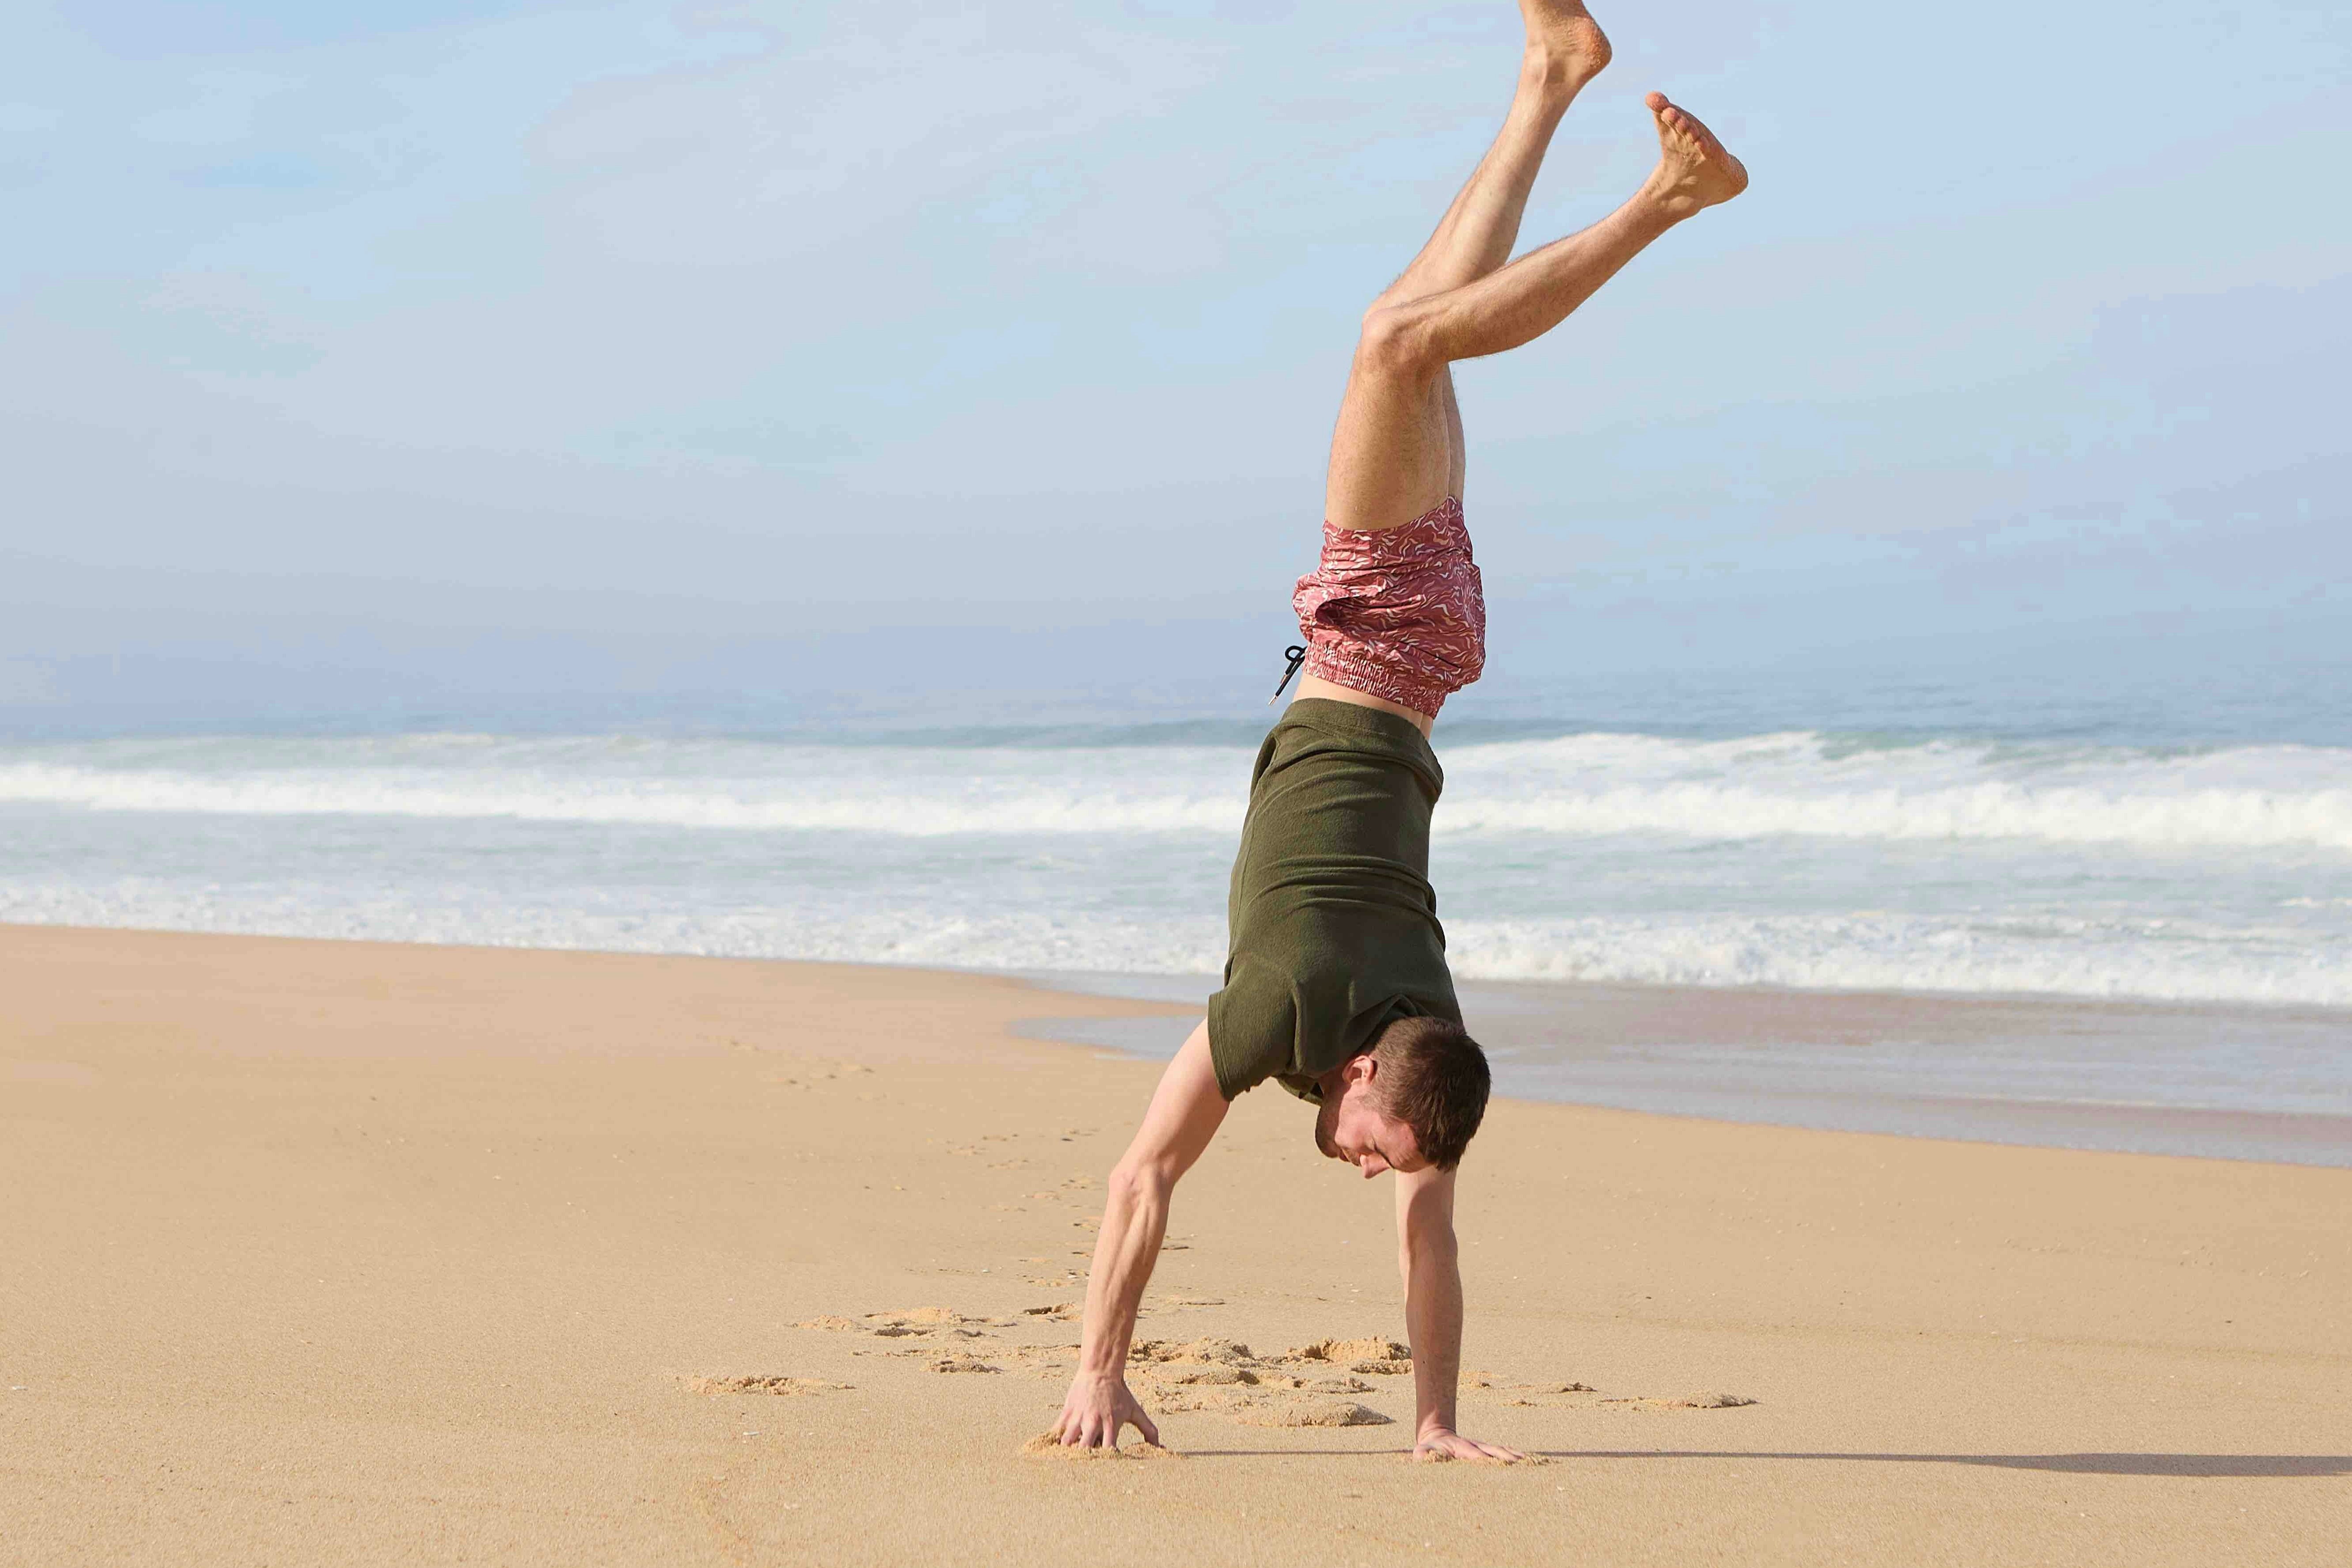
(1396, 449)
(1565, 50)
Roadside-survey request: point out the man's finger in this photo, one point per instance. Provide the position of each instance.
(1143, 1425)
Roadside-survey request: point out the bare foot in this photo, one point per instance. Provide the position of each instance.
(1564, 43)
(1694, 170)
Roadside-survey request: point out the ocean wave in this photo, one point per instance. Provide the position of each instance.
(1807, 785)
(876, 804)
(2045, 955)
(2250, 818)
(2111, 959)
(1797, 785)
(925, 938)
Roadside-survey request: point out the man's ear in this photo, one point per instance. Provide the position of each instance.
(1363, 1068)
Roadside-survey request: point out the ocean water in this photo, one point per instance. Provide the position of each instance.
(1796, 858)
(2058, 858)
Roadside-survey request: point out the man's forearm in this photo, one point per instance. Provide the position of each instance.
(1134, 1223)
(1433, 1318)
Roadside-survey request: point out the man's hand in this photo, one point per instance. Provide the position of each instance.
(1441, 1443)
(1098, 1406)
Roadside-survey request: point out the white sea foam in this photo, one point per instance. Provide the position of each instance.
(1785, 859)
(875, 804)
(2152, 959)
(585, 919)
(1801, 784)
(1584, 785)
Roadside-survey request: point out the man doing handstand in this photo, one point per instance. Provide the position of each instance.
(1336, 983)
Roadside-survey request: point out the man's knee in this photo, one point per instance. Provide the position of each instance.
(1395, 341)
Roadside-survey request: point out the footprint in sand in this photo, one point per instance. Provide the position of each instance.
(1379, 1358)
(1304, 1386)
(913, 1322)
(762, 1384)
(1041, 1361)
(1688, 1401)
(1225, 1378)
(918, 1319)
(1334, 1413)
(923, 1329)
(1046, 1445)
(1205, 1376)
(1486, 1385)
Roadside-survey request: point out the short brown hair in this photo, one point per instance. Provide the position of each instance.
(1433, 1078)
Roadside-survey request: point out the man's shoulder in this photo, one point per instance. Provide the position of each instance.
(1253, 1025)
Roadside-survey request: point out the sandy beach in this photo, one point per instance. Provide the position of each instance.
(322, 1252)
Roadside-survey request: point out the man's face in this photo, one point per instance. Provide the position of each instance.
(1351, 1126)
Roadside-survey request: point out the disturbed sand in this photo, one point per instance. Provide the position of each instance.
(334, 1252)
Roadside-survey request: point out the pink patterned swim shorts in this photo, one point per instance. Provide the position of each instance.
(1398, 615)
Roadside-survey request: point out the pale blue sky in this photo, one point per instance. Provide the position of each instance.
(408, 321)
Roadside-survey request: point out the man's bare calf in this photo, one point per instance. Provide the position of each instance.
(1397, 451)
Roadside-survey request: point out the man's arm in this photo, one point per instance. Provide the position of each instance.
(1186, 1110)
(1429, 1258)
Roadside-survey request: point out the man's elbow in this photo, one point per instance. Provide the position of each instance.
(1141, 1183)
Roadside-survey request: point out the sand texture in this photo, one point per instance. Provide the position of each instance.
(323, 1253)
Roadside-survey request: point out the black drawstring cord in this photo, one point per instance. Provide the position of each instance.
(1296, 654)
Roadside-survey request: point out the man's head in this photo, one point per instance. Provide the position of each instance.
(1410, 1102)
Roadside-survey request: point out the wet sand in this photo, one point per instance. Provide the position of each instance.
(336, 1252)
(2213, 1079)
